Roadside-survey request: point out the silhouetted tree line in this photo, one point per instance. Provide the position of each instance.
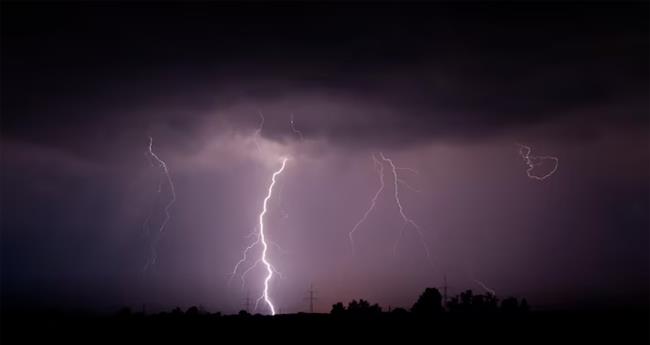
(465, 318)
(430, 303)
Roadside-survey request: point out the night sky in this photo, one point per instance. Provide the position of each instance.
(446, 90)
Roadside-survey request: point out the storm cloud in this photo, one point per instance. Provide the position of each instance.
(447, 90)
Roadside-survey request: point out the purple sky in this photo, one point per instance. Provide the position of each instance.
(446, 91)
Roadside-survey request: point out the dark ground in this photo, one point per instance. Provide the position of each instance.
(596, 327)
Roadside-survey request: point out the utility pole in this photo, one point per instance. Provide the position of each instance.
(311, 298)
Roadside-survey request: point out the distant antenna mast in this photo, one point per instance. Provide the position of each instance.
(311, 298)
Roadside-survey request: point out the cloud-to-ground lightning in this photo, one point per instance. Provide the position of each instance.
(407, 220)
(533, 161)
(261, 238)
(373, 201)
(244, 258)
(163, 166)
(269, 269)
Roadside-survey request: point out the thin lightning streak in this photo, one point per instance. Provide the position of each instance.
(244, 258)
(243, 276)
(407, 185)
(257, 302)
(163, 165)
(254, 233)
(269, 268)
(257, 262)
(275, 270)
(411, 170)
(280, 249)
(373, 201)
(258, 131)
(485, 287)
(533, 161)
(406, 219)
(294, 130)
(145, 226)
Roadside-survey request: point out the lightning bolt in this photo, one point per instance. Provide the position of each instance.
(154, 255)
(261, 238)
(269, 269)
(533, 161)
(294, 130)
(245, 257)
(373, 201)
(405, 218)
(485, 287)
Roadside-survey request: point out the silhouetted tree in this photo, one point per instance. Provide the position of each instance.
(466, 300)
(400, 311)
(353, 306)
(338, 309)
(484, 303)
(453, 305)
(374, 309)
(491, 302)
(360, 307)
(523, 306)
(192, 311)
(363, 307)
(429, 303)
(243, 313)
(510, 305)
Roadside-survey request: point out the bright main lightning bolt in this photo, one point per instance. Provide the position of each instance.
(406, 219)
(533, 161)
(260, 238)
(163, 166)
(373, 201)
(269, 268)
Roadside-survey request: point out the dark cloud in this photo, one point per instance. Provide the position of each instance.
(415, 73)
